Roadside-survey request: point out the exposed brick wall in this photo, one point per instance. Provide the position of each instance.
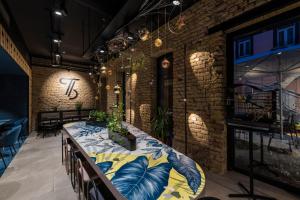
(48, 92)
(206, 81)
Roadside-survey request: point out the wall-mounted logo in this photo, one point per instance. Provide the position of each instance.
(70, 92)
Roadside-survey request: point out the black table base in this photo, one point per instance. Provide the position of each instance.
(249, 193)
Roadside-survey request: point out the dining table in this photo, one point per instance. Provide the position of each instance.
(153, 171)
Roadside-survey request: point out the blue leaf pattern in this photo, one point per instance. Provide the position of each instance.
(153, 143)
(105, 166)
(135, 181)
(156, 152)
(187, 167)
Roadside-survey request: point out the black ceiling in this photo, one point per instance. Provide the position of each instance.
(86, 22)
(34, 22)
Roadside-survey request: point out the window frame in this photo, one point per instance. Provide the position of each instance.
(244, 41)
(285, 30)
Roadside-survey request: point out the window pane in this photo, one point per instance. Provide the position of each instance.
(267, 92)
(248, 48)
(290, 36)
(281, 41)
(241, 50)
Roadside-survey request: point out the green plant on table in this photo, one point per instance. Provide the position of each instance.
(115, 120)
(98, 116)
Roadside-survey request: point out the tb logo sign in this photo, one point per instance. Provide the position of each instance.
(70, 92)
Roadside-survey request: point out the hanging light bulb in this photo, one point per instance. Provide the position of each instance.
(165, 63)
(158, 42)
(144, 34)
(117, 89)
(107, 87)
(96, 97)
(180, 22)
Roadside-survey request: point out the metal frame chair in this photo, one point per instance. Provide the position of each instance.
(8, 139)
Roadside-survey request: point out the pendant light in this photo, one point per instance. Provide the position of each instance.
(165, 63)
(144, 34)
(158, 42)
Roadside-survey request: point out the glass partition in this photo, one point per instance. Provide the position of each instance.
(267, 91)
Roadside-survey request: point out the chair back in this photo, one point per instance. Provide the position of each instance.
(10, 137)
(95, 193)
(24, 126)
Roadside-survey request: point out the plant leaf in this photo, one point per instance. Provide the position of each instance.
(105, 166)
(186, 167)
(153, 143)
(157, 154)
(135, 181)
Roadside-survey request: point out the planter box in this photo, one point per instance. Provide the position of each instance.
(128, 141)
(96, 123)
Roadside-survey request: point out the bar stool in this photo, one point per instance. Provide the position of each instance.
(84, 178)
(94, 192)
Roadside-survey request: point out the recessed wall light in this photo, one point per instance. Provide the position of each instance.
(176, 3)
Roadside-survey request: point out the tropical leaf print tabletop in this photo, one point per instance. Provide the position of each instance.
(153, 171)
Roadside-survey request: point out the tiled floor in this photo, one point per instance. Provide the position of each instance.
(36, 173)
(8, 156)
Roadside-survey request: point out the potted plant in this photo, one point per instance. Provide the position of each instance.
(97, 118)
(118, 133)
(161, 124)
(78, 106)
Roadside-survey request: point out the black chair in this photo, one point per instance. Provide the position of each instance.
(24, 130)
(23, 134)
(9, 138)
(94, 192)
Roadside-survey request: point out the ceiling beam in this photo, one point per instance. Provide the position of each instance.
(46, 61)
(93, 6)
(125, 15)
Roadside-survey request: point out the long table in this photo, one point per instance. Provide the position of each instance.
(153, 171)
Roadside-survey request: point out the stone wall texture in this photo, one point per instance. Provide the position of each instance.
(206, 81)
(48, 92)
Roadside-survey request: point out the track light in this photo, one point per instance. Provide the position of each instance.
(58, 12)
(57, 41)
(176, 2)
